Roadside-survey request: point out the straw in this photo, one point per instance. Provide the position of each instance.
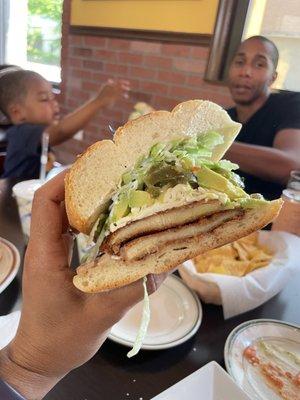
(111, 129)
(44, 155)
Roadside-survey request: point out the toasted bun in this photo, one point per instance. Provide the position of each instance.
(95, 175)
(108, 272)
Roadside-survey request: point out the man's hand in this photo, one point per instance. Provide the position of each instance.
(60, 327)
(112, 91)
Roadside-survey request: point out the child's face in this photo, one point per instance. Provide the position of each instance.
(40, 106)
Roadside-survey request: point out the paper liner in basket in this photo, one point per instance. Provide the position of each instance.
(240, 294)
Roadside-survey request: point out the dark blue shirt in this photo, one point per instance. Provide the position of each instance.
(23, 154)
(8, 393)
(280, 111)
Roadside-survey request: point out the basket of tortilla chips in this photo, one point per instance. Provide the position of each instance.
(140, 109)
(244, 274)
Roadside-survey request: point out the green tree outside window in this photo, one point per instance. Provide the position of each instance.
(44, 31)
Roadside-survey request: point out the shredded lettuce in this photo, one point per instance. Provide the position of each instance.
(93, 252)
(210, 140)
(167, 165)
(234, 178)
(228, 165)
(144, 323)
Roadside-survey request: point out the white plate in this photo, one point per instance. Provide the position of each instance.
(282, 334)
(176, 314)
(8, 327)
(210, 382)
(9, 263)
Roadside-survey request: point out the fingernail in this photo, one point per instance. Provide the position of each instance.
(151, 284)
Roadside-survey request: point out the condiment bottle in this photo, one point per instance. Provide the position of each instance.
(288, 219)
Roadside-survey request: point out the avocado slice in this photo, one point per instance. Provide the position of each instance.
(212, 180)
(139, 198)
(252, 203)
(120, 209)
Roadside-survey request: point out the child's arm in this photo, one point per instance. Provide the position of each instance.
(72, 123)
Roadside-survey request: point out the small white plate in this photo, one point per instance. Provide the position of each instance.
(8, 327)
(9, 263)
(210, 382)
(282, 334)
(176, 315)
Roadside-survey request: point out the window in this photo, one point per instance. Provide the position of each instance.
(33, 38)
(280, 22)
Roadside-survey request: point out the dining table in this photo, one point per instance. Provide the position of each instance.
(110, 375)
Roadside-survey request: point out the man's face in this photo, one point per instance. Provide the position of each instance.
(40, 106)
(251, 72)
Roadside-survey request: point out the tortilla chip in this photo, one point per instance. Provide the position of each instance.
(238, 258)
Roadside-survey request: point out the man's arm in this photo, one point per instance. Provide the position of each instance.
(72, 123)
(269, 163)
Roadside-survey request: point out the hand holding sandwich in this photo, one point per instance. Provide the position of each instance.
(57, 319)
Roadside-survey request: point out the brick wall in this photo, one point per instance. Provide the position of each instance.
(162, 74)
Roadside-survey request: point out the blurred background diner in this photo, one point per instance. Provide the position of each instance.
(164, 71)
(94, 65)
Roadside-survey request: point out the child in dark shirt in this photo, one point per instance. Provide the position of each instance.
(26, 98)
